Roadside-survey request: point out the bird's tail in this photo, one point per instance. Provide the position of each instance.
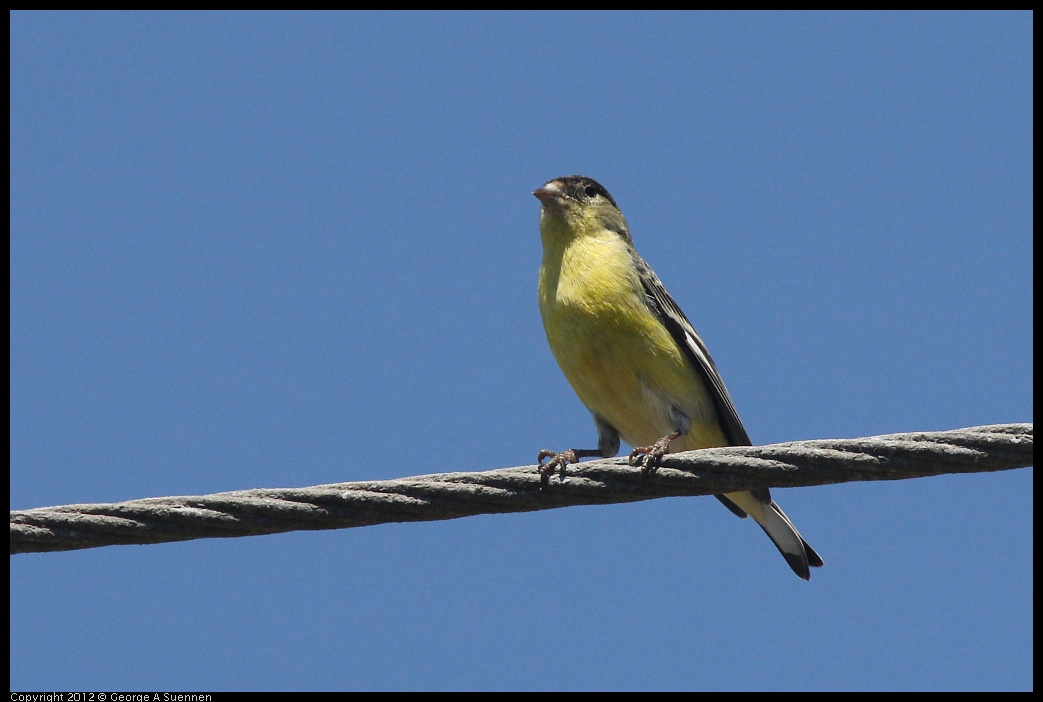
(797, 552)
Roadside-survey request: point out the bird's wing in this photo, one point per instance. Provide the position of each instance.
(682, 331)
(664, 307)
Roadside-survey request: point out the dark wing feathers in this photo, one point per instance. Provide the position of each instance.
(686, 337)
(664, 307)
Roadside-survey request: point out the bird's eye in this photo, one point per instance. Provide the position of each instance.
(590, 190)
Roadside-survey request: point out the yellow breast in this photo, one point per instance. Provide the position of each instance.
(620, 360)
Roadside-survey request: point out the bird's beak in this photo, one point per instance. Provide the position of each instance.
(551, 195)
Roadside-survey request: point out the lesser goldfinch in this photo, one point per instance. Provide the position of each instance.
(632, 356)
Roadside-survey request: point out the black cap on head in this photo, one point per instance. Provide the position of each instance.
(581, 187)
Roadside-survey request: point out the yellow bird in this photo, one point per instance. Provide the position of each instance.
(632, 356)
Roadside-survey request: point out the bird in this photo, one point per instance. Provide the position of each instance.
(632, 356)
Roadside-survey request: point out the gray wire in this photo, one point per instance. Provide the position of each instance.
(452, 495)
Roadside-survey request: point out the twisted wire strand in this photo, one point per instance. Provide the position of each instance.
(453, 495)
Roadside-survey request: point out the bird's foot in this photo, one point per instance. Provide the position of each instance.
(558, 461)
(649, 457)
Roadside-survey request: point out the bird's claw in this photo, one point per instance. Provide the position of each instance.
(558, 462)
(649, 457)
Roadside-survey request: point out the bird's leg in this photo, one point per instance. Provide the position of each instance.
(558, 461)
(653, 454)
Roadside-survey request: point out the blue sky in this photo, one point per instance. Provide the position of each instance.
(267, 250)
